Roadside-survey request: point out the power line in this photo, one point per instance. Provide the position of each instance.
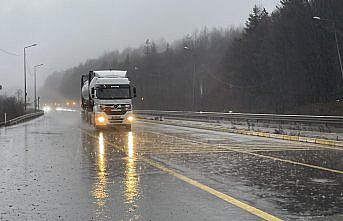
(9, 53)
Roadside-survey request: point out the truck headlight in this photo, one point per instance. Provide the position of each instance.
(101, 119)
(130, 118)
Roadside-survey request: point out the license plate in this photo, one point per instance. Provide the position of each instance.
(117, 117)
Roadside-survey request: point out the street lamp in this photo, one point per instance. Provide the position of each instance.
(336, 39)
(35, 84)
(25, 91)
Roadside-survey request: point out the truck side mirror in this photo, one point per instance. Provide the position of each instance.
(134, 92)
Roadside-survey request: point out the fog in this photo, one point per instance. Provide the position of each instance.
(68, 32)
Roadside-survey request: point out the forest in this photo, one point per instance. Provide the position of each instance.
(279, 62)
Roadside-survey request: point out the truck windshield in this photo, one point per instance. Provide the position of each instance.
(113, 92)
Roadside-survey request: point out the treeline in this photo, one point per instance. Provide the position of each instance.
(287, 59)
(278, 62)
(11, 106)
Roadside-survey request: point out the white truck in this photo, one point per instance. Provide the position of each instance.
(106, 98)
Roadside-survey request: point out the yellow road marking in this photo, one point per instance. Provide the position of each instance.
(220, 195)
(186, 152)
(225, 197)
(196, 152)
(294, 162)
(224, 150)
(264, 156)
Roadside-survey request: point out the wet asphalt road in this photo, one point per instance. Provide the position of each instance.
(58, 168)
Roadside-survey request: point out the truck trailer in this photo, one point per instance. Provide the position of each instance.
(106, 98)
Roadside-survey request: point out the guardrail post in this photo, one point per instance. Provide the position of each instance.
(5, 119)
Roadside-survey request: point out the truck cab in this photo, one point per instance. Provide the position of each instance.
(107, 98)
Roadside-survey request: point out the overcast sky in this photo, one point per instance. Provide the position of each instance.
(70, 31)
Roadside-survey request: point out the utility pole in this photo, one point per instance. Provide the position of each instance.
(35, 84)
(25, 90)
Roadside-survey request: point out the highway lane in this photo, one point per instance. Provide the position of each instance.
(58, 168)
(311, 191)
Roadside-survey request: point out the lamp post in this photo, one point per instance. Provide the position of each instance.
(35, 84)
(336, 39)
(25, 90)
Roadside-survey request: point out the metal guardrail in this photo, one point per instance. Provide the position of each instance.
(327, 120)
(21, 118)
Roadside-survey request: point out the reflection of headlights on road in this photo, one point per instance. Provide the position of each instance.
(130, 118)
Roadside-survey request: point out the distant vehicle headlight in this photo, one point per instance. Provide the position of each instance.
(46, 108)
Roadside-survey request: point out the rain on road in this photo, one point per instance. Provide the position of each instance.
(58, 168)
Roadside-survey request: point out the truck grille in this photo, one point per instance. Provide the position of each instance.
(115, 112)
(114, 109)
